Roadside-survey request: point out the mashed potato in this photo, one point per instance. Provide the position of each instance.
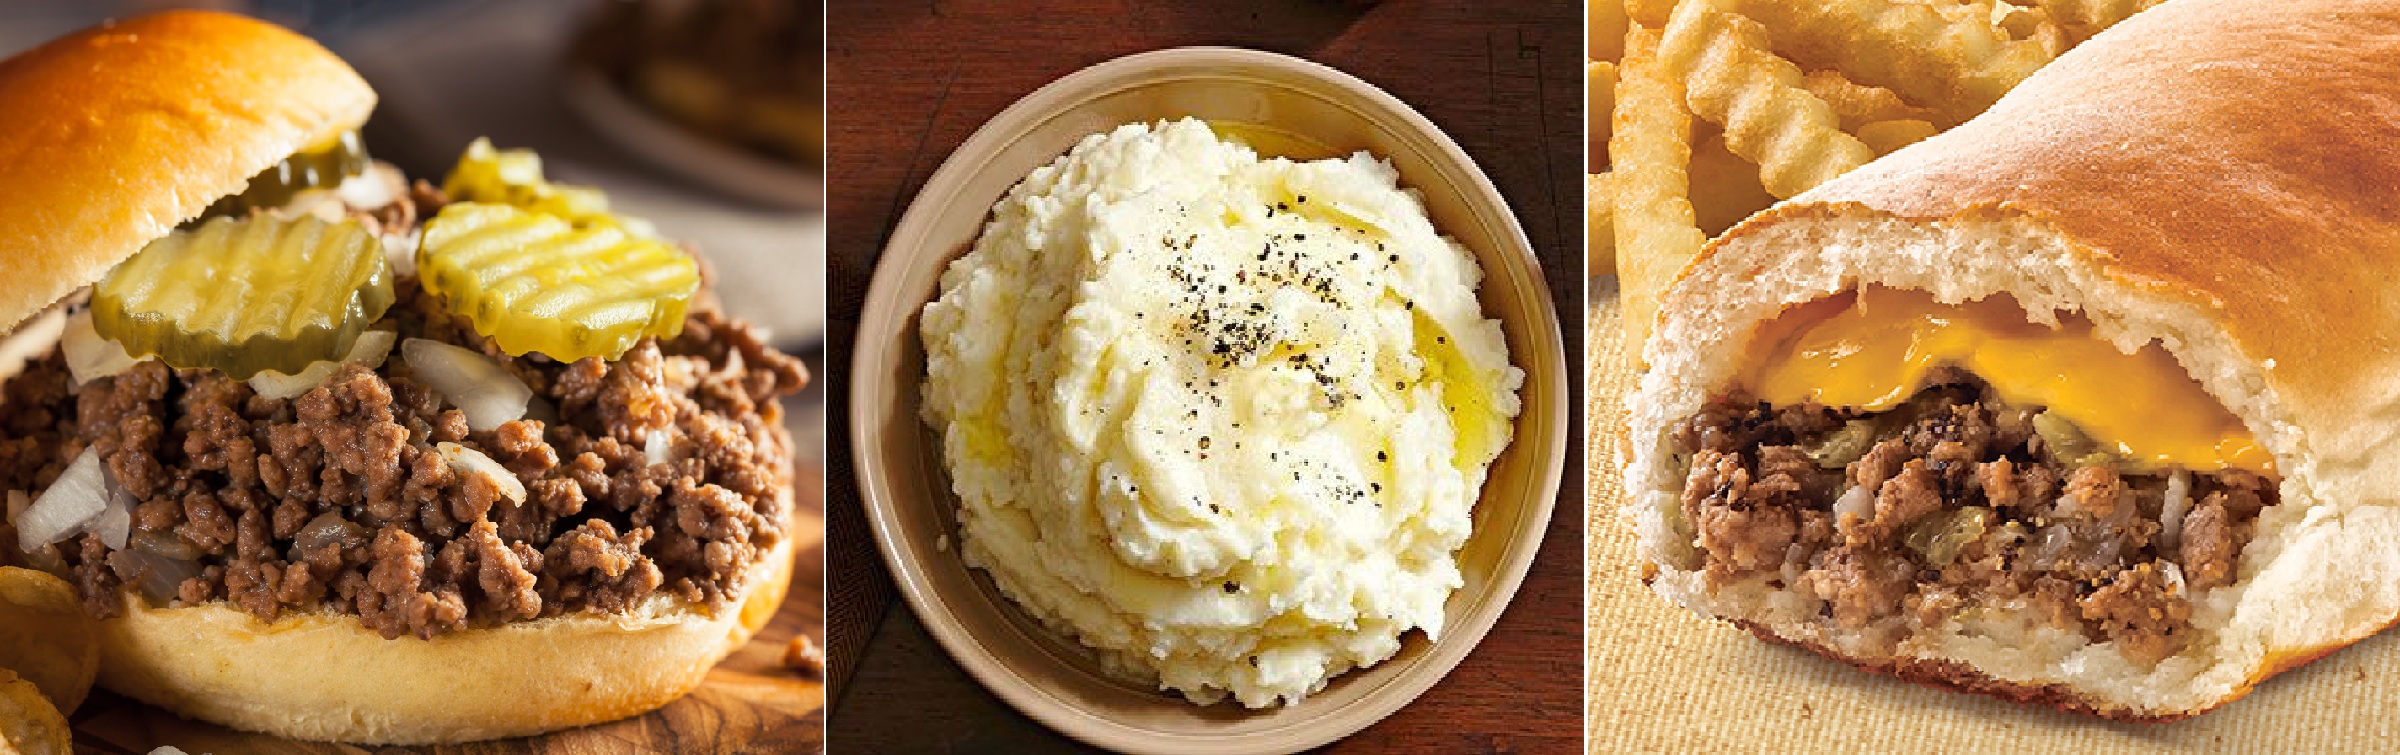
(1220, 418)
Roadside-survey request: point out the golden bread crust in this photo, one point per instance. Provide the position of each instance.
(120, 132)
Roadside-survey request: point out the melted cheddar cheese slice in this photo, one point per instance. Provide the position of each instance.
(1870, 351)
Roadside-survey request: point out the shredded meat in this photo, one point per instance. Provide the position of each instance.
(2077, 545)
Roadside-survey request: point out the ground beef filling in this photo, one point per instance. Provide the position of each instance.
(1905, 518)
(338, 499)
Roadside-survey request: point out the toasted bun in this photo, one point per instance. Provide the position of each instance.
(118, 133)
(326, 678)
(2213, 175)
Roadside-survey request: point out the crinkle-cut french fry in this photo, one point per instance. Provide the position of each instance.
(1957, 58)
(1651, 152)
(46, 638)
(1858, 104)
(1599, 103)
(1604, 25)
(1730, 78)
(1599, 224)
(29, 724)
(1649, 13)
(1886, 137)
(2080, 19)
(1725, 187)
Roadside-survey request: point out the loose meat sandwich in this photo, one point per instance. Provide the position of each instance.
(338, 458)
(2088, 403)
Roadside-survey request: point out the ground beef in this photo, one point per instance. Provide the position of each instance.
(2077, 545)
(338, 497)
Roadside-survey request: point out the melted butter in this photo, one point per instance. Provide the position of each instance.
(1481, 428)
(1872, 351)
(1269, 141)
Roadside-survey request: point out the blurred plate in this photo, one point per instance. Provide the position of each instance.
(674, 149)
(1296, 105)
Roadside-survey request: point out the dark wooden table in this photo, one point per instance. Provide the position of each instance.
(908, 81)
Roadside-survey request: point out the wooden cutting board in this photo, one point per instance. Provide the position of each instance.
(749, 703)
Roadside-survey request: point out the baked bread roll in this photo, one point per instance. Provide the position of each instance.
(2088, 403)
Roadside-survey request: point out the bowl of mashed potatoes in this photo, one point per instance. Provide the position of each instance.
(1208, 400)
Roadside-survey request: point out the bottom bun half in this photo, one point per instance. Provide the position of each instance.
(327, 678)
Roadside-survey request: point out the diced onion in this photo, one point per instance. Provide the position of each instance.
(370, 351)
(486, 392)
(165, 543)
(1857, 502)
(2178, 503)
(72, 503)
(328, 528)
(466, 460)
(116, 518)
(160, 577)
(321, 204)
(2050, 545)
(655, 448)
(380, 185)
(89, 356)
(400, 252)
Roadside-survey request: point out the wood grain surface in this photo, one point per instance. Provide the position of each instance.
(749, 704)
(908, 81)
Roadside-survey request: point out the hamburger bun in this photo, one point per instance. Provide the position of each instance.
(2212, 175)
(326, 677)
(120, 133)
(164, 114)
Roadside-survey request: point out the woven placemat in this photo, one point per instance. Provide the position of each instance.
(1660, 678)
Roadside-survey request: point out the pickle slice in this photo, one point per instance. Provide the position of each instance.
(322, 165)
(514, 177)
(534, 282)
(242, 295)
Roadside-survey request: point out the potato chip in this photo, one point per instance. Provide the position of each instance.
(1652, 148)
(45, 636)
(1957, 58)
(1730, 78)
(2080, 19)
(29, 724)
(1599, 224)
(1858, 104)
(1604, 25)
(1886, 137)
(1725, 187)
(1599, 99)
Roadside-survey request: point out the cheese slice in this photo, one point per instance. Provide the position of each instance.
(1870, 351)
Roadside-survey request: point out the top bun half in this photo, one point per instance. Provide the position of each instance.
(118, 133)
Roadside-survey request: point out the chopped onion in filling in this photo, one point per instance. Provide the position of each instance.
(482, 389)
(655, 449)
(369, 351)
(1855, 502)
(2170, 514)
(466, 460)
(72, 506)
(89, 356)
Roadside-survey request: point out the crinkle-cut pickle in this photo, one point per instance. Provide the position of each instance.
(533, 282)
(325, 164)
(514, 177)
(241, 295)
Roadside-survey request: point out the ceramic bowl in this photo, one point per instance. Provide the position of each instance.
(1282, 105)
